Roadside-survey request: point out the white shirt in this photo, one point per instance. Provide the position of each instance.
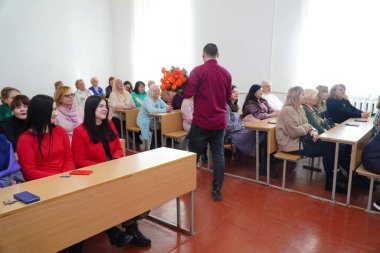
(80, 97)
(273, 101)
(122, 99)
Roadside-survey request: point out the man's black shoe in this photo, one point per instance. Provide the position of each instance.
(216, 194)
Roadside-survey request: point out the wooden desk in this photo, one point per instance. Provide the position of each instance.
(155, 117)
(73, 209)
(356, 136)
(268, 126)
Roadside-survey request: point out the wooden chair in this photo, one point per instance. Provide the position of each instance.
(171, 126)
(286, 157)
(362, 171)
(131, 125)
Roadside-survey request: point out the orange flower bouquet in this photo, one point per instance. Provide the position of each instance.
(173, 79)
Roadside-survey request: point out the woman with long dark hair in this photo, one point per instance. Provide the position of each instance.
(96, 141)
(44, 149)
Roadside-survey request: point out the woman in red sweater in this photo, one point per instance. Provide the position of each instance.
(96, 141)
(44, 149)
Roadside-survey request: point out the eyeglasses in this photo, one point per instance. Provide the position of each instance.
(69, 95)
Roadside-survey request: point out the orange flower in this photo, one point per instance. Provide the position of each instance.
(173, 79)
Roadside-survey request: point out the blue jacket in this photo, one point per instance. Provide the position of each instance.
(9, 167)
(339, 110)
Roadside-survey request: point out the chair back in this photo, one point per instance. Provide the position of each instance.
(131, 117)
(171, 122)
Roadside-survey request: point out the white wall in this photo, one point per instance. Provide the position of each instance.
(44, 41)
(65, 40)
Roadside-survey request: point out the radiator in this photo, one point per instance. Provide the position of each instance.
(365, 104)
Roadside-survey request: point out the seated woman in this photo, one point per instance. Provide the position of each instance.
(187, 111)
(44, 149)
(10, 173)
(7, 95)
(68, 116)
(371, 159)
(152, 104)
(257, 106)
(322, 96)
(119, 99)
(376, 121)
(312, 113)
(295, 135)
(139, 93)
(339, 108)
(81, 94)
(128, 86)
(96, 141)
(14, 126)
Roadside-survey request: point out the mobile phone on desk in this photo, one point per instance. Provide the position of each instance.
(26, 197)
(80, 172)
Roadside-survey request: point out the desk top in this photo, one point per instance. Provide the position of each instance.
(262, 125)
(344, 133)
(52, 187)
(160, 114)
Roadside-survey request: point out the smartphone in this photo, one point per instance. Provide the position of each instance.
(80, 172)
(26, 197)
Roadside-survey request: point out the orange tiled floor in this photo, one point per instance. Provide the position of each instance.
(256, 218)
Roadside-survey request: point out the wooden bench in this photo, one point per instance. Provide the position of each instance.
(286, 157)
(362, 171)
(172, 127)
(131, 125)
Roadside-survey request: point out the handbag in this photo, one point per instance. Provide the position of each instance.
(306, 140)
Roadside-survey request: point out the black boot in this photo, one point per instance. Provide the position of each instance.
(139, 239)
(216, 192)
(118, 237)
(341, 187)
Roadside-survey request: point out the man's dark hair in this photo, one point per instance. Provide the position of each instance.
(211, 50)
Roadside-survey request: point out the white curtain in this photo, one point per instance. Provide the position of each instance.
(161, 37)
(340, 43)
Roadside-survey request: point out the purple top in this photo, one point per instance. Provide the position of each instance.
(259, 110)
(210, 84)
(177, 101)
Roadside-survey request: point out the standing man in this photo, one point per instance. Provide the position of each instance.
(210, 84)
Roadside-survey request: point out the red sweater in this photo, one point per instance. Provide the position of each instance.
(59, 160)
(87, 153)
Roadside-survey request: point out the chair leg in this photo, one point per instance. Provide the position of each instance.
(283, 175)
(370, 194)
(134, 141)
(127, 140)
(172, 142)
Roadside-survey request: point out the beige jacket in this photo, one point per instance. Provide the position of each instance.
(291, 125)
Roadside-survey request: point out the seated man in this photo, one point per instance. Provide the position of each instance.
(272, 99)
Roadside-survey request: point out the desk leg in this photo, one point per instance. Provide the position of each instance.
(350, 176)
(335, 170)
(192, 229)
(155, 131)
(178, 212)
(121, 126)
(257, 155)
(268, 160)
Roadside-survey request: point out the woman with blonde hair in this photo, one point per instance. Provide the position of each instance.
(339, 107)
(322, 96)
(119, 99)
(295, 135)
(68, 116)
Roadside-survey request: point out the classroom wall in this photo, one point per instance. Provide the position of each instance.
(44, 41)
(51, 40)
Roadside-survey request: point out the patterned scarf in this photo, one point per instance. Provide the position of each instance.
(70, 114)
